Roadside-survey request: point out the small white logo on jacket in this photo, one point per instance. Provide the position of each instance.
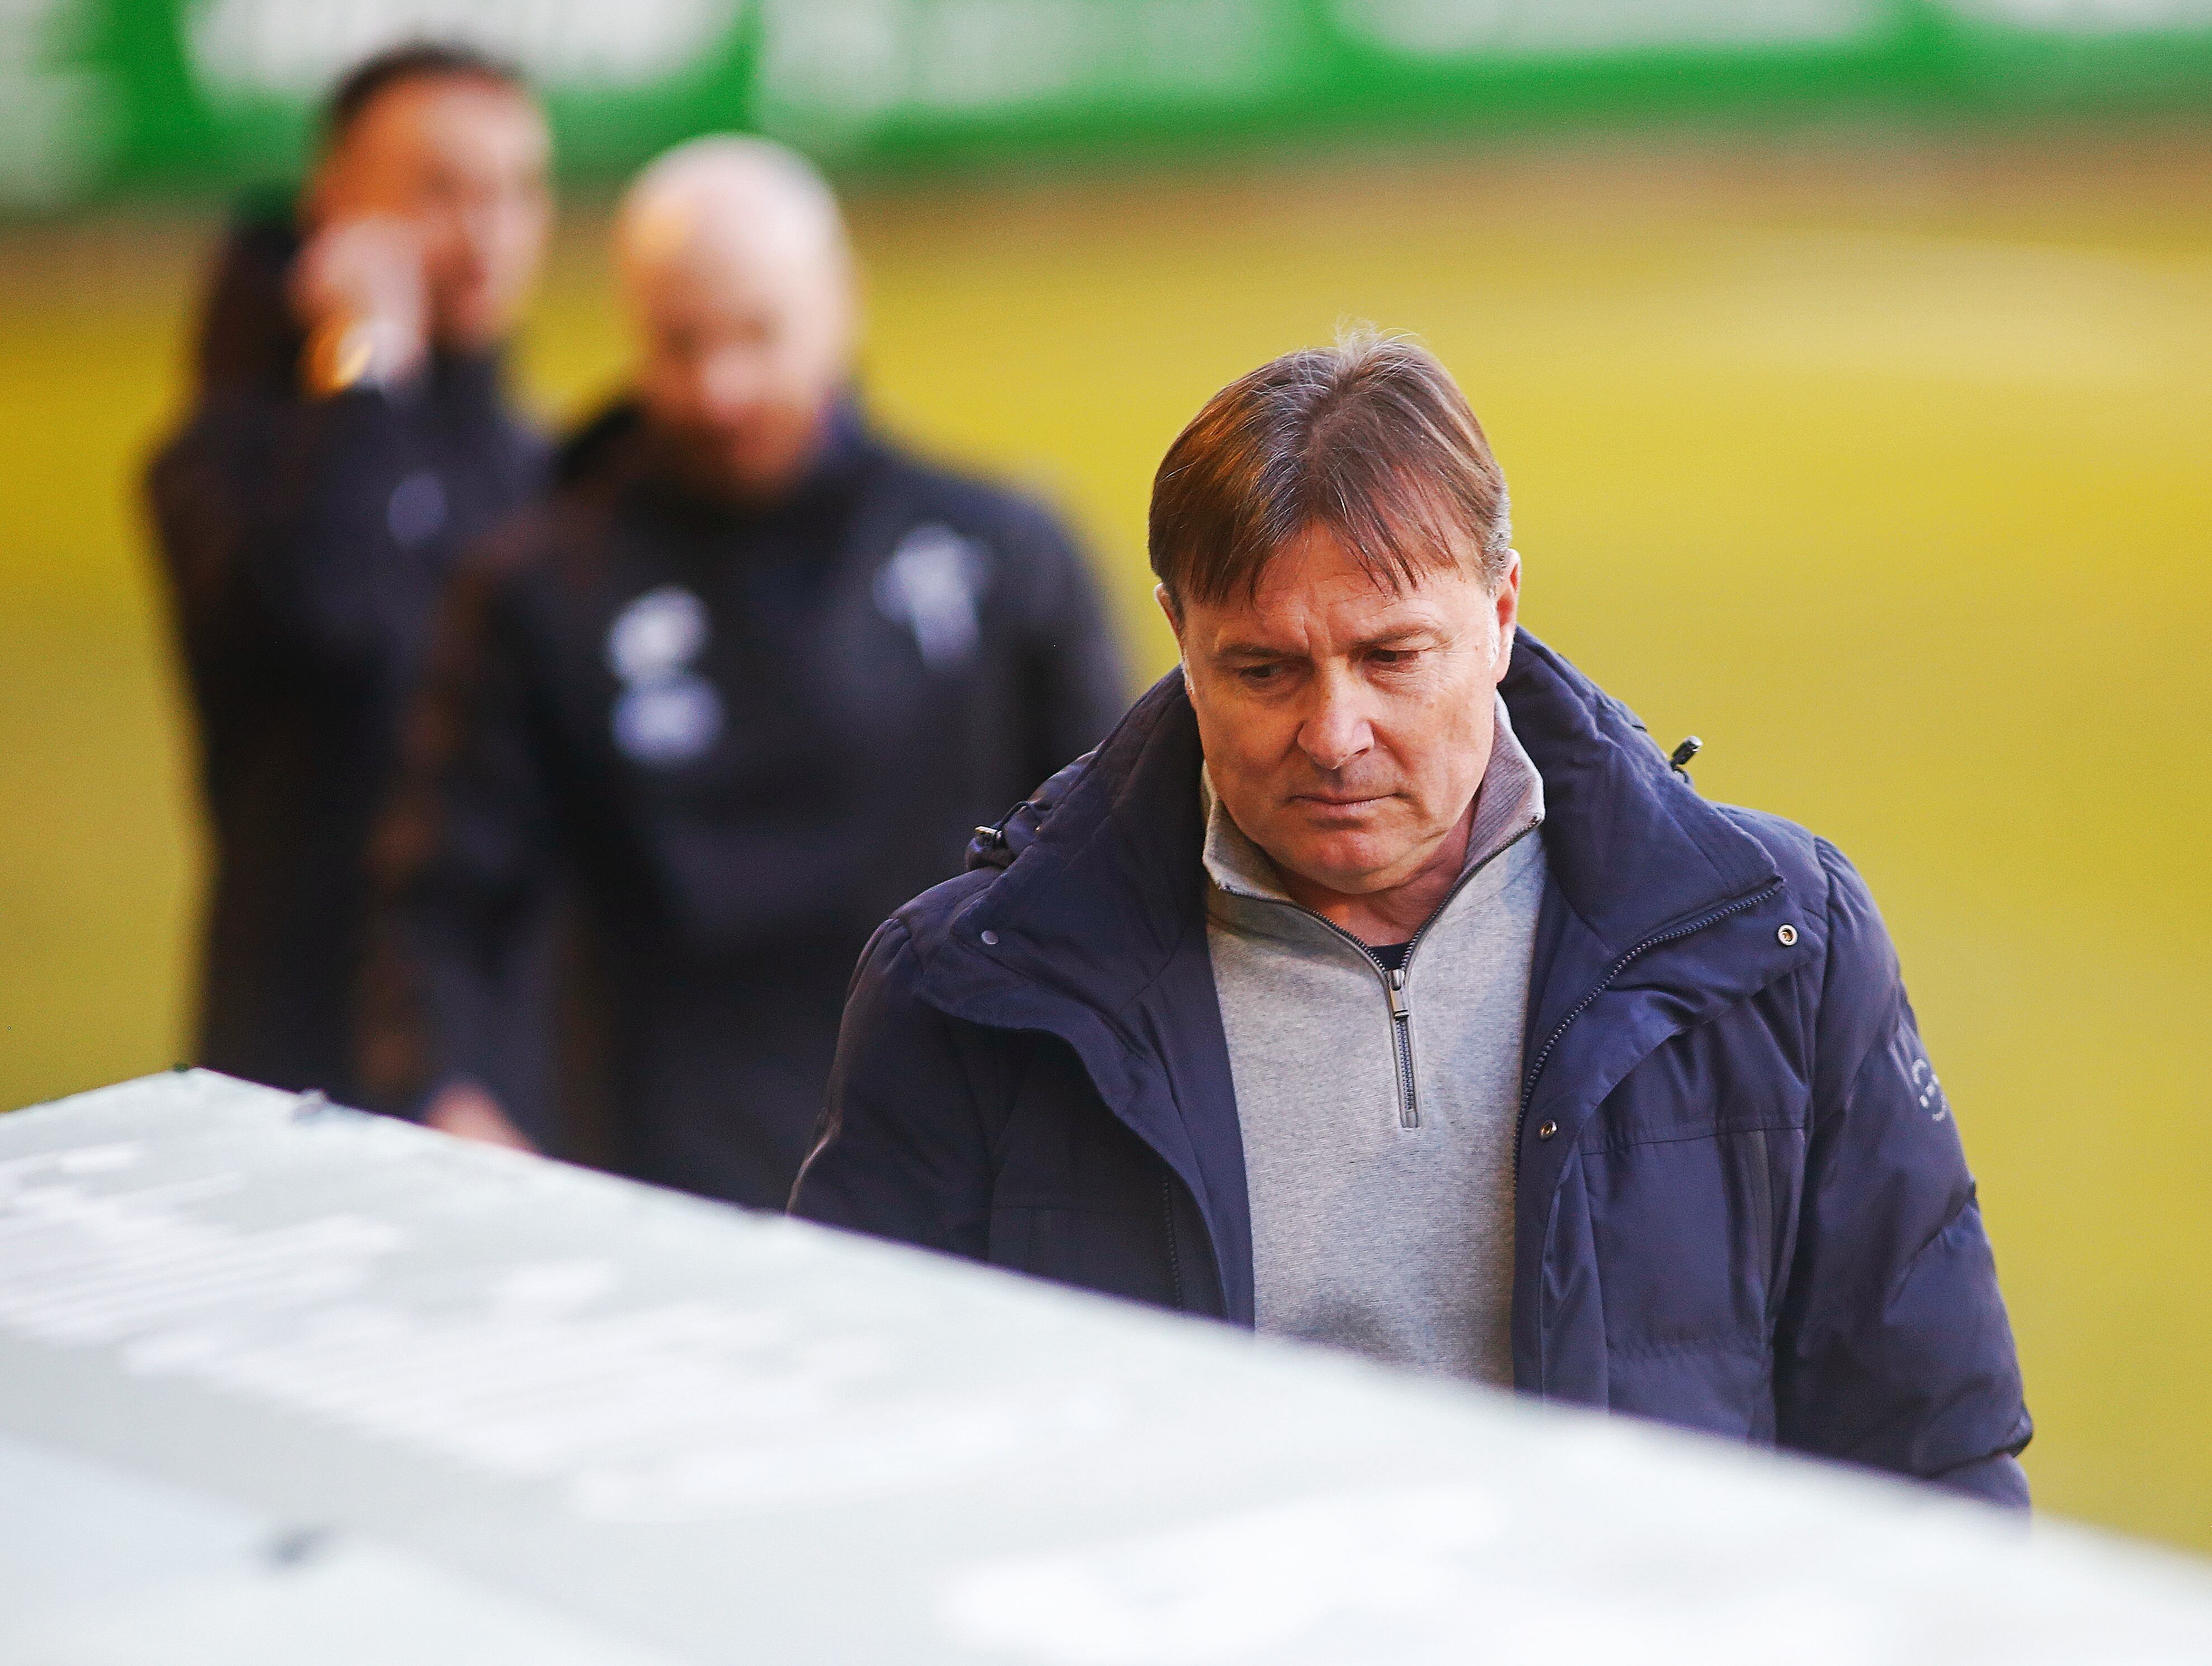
(933, 585)
(1929, 1090)
(665, 714)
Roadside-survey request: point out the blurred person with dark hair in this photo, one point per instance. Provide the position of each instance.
(1379, 983)
(748, 678)
(349, 434)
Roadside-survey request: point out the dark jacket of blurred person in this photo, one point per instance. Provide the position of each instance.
(350, 433)
(746, 737)
(747, 679)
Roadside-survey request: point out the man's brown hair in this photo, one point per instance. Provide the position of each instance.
(1369, 440)
(402, 65)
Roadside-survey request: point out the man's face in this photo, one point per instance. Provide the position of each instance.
(1345, 727)
(464, 162)
(745, 335)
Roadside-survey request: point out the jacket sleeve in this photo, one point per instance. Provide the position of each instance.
(1077, 683)
(1894, 1350)
(902, 1152)
(463, 860)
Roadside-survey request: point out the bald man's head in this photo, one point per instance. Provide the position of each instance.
(734, 263)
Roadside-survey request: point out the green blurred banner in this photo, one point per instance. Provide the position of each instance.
(101, 95)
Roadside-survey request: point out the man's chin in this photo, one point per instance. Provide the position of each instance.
(720, 471)
(1350, 865)
(745, 470)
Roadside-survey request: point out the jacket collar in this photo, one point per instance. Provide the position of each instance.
(1631, 846)
(1098, 901)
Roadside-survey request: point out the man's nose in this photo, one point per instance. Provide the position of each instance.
(477, 237)
(1336, 731)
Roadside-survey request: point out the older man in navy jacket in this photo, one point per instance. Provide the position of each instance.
(1379, 983)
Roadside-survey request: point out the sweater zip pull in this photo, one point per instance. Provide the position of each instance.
(1401, 1042)
(1394, 982)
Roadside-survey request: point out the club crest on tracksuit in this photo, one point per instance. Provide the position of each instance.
(666, 714)
(933, 585)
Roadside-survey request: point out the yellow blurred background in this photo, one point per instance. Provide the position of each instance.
(1884, 466)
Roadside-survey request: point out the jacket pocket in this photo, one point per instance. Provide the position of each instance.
(1690, 1235)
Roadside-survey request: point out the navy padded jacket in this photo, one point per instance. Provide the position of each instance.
(1742, 1203)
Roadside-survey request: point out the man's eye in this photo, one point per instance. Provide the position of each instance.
(1257, 675)
(1389, 658)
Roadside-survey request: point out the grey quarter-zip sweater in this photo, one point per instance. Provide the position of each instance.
(1377, 1106)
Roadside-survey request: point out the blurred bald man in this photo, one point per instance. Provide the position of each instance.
(750, 676)
(349, 434)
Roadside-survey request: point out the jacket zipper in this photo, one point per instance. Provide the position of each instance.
(1394, 983)
(1175, 1254)
(1675, 935)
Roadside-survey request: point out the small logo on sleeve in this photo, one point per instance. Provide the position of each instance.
(1929, 1090)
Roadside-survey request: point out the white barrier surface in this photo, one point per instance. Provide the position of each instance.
(282, 1383)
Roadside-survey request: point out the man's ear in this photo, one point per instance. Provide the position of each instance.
(1507, 600)
(1175, 613)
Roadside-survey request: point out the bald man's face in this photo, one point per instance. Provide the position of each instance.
(462, 163)
(746, 326)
